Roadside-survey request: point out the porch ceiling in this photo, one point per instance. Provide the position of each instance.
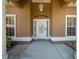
(64, 3)
(68, 3)
(18, 3)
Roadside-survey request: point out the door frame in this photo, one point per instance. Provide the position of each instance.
(48, 27)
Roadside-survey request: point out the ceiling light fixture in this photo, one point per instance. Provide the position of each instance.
(41, 6)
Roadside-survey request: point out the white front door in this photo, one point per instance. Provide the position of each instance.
(41, 28)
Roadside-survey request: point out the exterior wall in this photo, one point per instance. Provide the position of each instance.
(54, 11)
(23, 19)
(46, 10)
(58, 18)
(46, 13)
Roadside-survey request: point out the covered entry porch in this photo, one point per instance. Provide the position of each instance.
(23, 29)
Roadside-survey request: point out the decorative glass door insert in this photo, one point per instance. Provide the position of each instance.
(40, 28)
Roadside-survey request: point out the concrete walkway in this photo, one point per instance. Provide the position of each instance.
(41, 50)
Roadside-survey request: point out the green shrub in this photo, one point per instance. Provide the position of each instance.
(8, 41)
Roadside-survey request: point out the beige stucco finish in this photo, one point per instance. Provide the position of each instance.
(58, 18)
(55, 12)
(23, 17)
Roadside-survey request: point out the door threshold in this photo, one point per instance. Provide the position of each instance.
(41, 38)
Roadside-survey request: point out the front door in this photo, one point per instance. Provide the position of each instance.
(41, 28)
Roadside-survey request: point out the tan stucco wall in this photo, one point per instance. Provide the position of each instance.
(46, 14)
(23, 17)
(54, 11)
(58, 18)
(46, 10)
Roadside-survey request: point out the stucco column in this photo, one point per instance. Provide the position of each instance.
(4, 53)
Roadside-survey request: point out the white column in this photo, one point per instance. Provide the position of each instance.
(4, 53)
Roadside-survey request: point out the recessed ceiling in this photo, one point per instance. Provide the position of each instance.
(72, 4)
(41, 1)
(10, 4)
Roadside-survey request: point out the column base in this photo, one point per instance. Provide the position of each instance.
(5, 56)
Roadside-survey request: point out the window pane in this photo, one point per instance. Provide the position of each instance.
(9, 31)
(68, 31)
(9, 20)
(71, 31)
(12, 20)
(71, 21)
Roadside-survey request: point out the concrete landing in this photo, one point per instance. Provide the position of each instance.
(41, 50)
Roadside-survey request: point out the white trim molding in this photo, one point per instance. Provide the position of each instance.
(41, 1)
(22, 39)
(63, 38)
(46, 38)
(29, 39)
